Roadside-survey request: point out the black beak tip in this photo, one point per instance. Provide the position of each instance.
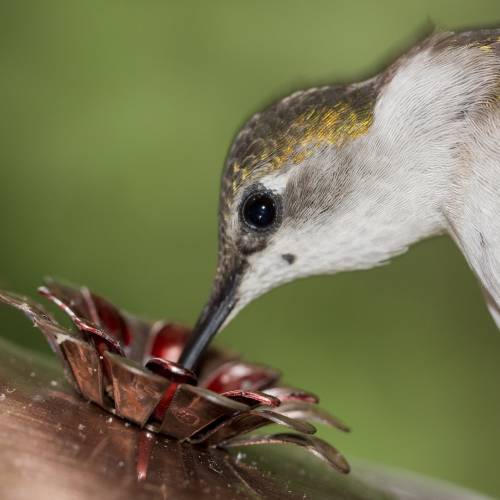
(208, 325)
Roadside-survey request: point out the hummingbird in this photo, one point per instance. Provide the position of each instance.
(346, 177)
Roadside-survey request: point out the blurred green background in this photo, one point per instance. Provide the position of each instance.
(116, 118)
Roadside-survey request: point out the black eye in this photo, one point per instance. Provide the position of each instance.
(259, 210)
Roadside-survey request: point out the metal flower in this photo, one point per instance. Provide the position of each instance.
(128, 367)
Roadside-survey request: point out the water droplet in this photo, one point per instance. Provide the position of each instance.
(32, 374)
(81, 427)
(54, 383)
(109, 420)
(121, 463)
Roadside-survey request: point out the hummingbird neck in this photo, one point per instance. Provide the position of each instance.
(427, 109)
(371, 198)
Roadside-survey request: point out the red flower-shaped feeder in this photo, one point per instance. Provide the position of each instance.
(128, 367)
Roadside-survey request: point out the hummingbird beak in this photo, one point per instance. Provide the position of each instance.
(214, 314)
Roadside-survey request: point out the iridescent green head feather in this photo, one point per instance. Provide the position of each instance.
(289, 131)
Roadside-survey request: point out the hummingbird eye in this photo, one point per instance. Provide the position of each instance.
(259, 210)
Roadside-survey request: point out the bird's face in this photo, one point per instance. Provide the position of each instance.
(284, 175)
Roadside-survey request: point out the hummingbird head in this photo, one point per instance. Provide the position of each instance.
(342, 177)
(283, 178)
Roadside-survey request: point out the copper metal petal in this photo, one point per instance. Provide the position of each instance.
(238, 375)
(213, 359)
(171, 371)
(86, 368)
(101, 337)
(193, 408)
(141, 333)
(111, 319)
(253, 398)
(291, 394)
(315, 445)
(70, 299)
(33, 310)
(136, 392)
(247, 422)
(83, 305)
(168, 340)
(102, 340)
(53, 332)
(81, 302)
(311, 413)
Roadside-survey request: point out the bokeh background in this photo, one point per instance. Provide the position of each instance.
(115, 120)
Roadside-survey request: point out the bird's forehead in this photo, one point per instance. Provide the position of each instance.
(290, 130)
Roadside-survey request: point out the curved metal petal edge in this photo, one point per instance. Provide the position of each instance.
(313, 444)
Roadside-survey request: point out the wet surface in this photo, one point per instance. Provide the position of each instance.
(55, 445)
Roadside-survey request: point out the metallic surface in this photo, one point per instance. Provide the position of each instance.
(55, 445)
(159, 396)
(85, 367)
(135, 395)
(194, 408)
